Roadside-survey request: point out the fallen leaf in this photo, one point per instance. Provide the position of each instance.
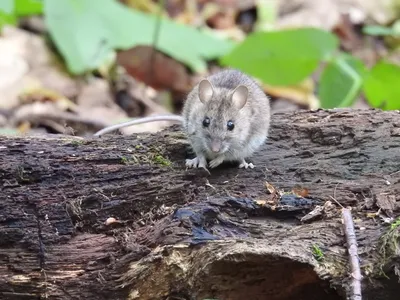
(300, 191)
(26, 64)
(302, 93)
(271, 189)
(42, 95)
(261, 202)
(155, 69)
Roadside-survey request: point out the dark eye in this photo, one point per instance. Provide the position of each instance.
(230, 125)
(206, 122)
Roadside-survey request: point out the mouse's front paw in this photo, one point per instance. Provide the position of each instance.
(216, 162)
(196, 162)
(244, 164)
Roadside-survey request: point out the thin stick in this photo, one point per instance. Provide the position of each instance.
(56, 116)
(337, 202)
(355, 293)
(156, 36)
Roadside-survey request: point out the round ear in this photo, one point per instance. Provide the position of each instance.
(240, 95)
(206, 91)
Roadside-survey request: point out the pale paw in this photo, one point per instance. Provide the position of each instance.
(246, 165)
(216, 162)
(196, 163)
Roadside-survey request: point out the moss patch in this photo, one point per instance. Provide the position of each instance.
(161, 160)
(317, 253)
(151, 155)
(389, 245)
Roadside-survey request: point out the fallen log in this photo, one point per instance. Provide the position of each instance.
(121, 218)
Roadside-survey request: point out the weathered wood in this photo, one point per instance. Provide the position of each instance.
(185, 234)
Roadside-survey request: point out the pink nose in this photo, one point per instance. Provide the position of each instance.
(215, 146)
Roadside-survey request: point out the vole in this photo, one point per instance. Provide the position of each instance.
(226, 117)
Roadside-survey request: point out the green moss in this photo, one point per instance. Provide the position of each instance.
(124, 160)
(160, 160)
(149, 155)
(317, 253)
(76, 142)
(73, 141)
(396, 224)
(129, 160)
(389, 245)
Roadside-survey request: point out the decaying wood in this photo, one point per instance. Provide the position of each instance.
(121, 218)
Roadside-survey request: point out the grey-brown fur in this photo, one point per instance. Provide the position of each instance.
(251, 122)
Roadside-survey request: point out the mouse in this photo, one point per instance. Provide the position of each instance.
(226, 117)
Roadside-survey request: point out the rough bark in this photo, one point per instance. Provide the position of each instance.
(186, 234)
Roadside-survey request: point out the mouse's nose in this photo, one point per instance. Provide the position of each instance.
(215, 146)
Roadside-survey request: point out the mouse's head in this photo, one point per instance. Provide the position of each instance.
(221, 117)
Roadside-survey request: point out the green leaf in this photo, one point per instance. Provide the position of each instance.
(380, 30)
(382, 86)
(282, 57)
(7, 13)
(9, 131)
(87, 32)
(7, 6)
(28, 7)
(7, 19)
(267, 13)
(340, 82)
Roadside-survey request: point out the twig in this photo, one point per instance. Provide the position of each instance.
(337, 202)
(41, 115)
(355, 293)
(155, 40)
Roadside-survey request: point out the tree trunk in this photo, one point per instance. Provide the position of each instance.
(121, 218)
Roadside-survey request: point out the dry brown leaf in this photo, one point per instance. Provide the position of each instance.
(300, 191)
(261, 202)
(43, 95)
(25, 64)
(302, 93)
(372, 215)
(271, 189)
(158, 71)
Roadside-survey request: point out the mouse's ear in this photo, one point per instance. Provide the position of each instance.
(206, 91)
(239, 96)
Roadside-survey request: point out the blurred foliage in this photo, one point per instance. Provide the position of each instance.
(382, 86)
(10, 10)
(377, 30)
(341, 81)
(277, 58)
(87, 34)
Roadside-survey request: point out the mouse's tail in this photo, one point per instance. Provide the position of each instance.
(139, 121)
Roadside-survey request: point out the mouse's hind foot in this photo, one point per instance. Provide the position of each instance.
(244, 164)
(197, 162)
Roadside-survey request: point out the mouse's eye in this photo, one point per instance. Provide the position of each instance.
(230, 125)
(206, 122)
